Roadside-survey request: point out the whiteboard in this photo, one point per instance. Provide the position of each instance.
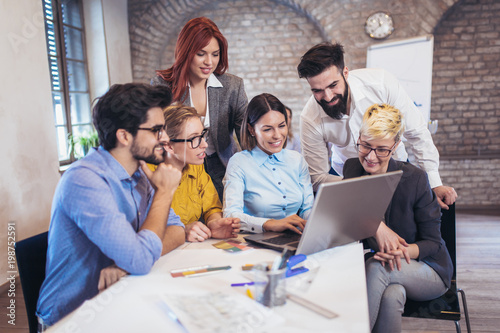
(410, 60)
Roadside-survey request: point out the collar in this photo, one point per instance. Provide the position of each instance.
(393, 165)
(189, 171)
(213, 82)
(261, 157)
(116, 167)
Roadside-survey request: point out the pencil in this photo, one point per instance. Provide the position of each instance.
(198, 271)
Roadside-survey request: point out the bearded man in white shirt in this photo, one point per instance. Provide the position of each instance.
(333, 115)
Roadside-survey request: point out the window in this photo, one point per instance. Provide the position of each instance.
(68, 71)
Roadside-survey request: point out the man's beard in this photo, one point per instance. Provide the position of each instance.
(338, 110)
(141, 154)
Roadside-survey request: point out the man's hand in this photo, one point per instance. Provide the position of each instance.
(165, 178)
(227, 227)
(109, 276)
(446, 195)
(197, 232)
(292, 222)
(387, 241)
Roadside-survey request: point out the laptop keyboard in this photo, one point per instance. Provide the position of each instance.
(283, 239)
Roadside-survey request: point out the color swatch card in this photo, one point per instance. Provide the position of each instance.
(232, 246)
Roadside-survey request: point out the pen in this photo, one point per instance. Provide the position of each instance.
(171, 314)
(242, 284)
(285, 255)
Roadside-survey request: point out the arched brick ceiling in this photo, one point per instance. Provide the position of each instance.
(335, 20)
(148, 18)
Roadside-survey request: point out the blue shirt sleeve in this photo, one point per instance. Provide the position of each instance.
(234, 195)
(174, 219)
(96, 207)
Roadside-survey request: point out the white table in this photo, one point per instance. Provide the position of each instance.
(136, 303)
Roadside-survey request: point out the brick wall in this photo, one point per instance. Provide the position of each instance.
(466, 79)
(257, 34)
(266, 39)
(477, 181)
(466, 101)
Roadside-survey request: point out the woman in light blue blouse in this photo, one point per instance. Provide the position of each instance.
(266, 186)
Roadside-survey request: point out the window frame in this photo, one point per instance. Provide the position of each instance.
(62, 59)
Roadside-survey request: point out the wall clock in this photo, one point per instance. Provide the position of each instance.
(379, 25)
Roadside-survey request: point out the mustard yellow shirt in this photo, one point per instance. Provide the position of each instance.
(196, 197)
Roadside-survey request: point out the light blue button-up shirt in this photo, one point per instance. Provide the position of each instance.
(97, 211)
(259, 187)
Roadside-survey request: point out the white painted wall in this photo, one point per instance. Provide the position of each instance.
(29, 171)
(108, 44)
(96, 48)
(115, 13)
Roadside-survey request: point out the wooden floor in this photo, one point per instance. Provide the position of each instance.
(478, 261)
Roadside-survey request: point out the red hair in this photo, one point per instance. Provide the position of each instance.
(194, 36)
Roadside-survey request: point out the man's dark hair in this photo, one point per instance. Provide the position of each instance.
(321, 57)
(126, 106)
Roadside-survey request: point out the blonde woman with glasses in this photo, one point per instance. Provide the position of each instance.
(410, 258)
(196, 200)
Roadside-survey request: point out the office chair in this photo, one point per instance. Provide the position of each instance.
(447, 306)
(31, 254)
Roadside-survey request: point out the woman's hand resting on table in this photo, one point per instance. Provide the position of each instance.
(197, 232)
(216, 227)
(224, 227)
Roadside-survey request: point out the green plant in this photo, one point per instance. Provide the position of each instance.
(88, 141)
(79, 146)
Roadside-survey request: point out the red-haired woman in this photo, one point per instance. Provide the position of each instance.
(198, 78)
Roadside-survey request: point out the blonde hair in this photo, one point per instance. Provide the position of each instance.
(382, 121)
(176, 116)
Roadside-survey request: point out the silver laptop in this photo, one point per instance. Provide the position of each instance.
(343, 212)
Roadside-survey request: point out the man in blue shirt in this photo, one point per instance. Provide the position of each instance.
(109, 210)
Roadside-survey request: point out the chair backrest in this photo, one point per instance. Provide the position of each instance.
(31, 254)
(447, 306)
(448, 233)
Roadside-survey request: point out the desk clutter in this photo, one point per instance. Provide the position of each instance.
(212, 290)
(266, 288)
(218, 312)
(232, 246)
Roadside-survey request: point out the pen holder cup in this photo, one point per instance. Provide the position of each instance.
(269, 286)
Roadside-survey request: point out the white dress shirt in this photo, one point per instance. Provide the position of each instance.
(211, 82)
(367, 87)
